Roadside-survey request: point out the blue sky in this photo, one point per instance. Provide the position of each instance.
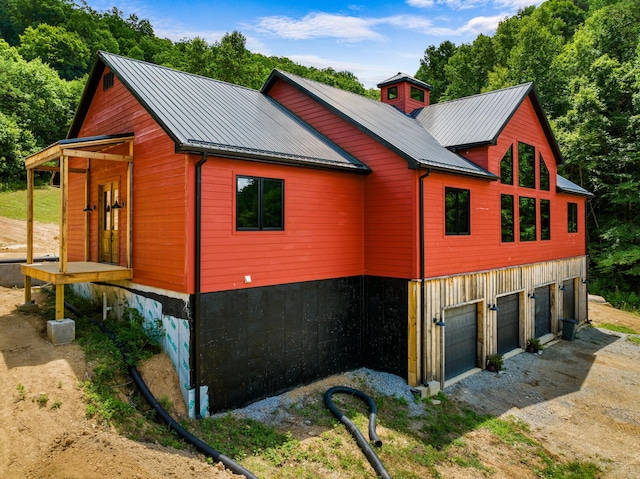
(374, 40)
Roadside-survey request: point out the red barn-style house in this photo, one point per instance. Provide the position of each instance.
(290, 233)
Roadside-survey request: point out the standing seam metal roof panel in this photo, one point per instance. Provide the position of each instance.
(473, 120)
(205, 114)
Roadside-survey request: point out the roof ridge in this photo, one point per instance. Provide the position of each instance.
(513, 87)
(102, 54)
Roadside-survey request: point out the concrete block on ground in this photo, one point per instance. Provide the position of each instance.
(62, 331)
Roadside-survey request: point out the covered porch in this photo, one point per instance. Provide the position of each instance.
(55, 158)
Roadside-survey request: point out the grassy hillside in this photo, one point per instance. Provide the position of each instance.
(46, 203)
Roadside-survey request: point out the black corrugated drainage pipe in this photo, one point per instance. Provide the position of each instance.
(368, 451)
(200, 445)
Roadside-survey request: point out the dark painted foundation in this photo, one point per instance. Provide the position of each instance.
(257, 342)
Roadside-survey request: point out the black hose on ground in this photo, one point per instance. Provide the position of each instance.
(200, 445)
(368, 451)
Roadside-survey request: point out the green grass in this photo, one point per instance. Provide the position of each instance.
(46, 204)
(618, 328)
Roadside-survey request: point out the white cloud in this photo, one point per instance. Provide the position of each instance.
(484, 25)
(514, 5)
(421, 3)
(319, 25)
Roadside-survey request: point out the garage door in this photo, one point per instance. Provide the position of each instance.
(568, 300)
(460, 340)
(543, 311)
(508, 323)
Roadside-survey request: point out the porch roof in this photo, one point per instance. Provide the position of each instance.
(94, 147)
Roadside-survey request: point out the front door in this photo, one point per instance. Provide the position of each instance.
(108, 223)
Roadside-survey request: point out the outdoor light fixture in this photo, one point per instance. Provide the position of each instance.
(118, 204)
(90, 207)
(493, 307)
(585, 281)
(562, 288)
(438, 321)
(533, 295)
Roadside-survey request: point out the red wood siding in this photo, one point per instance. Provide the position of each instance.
(404, 101)
(390, 210)
(322, 235)
(162, 252)
(484, 249)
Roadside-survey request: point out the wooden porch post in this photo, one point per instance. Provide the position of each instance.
(128, 208)
(64, 198)
(27, 279)
(87, 216)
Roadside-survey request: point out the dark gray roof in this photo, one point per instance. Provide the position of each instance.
(565, 186)
(388, 125)
(479, 119)
(398, 77)
(205, 115)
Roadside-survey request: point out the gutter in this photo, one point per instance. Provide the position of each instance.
(195, 330)
(422, 271)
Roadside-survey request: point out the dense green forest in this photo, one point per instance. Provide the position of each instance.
(582, 55)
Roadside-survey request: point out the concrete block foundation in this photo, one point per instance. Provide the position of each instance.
(61, 331)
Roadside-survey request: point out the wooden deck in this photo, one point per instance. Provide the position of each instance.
(77, 272)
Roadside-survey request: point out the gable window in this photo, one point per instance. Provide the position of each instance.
(544, 175)
(392, 93)
(527, 219)
(457, 211)
(107, 81)
(259, 203)
(506, 167)
(545, 220)
(526, 165)
(572, 220)
(506, 222)
(417, 94)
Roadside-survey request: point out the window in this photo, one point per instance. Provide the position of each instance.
(417, 94)
(392, 93)
(107, 81)
(507, 219)
(544, 175)
(457, 211)
(506, 167)
(259, 203)
(572, 219)
(545, 220)
(526, 165)
(527, 219)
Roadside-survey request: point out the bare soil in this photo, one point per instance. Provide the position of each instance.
(13, 239)
(581, 399)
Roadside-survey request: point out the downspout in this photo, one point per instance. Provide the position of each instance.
(195, 336)
(422, 275)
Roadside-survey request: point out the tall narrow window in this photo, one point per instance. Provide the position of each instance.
(544, 175)
(572, 219)
(259, 203)
(506, 167)
(545, 220)
(526, 165)
(417, 94)
(506, 221)
(527, 219)
(457, 211)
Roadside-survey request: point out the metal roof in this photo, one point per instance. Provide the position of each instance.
(479, 119)
(385, 123)
(565, 186)
(404, 77)
(206, 115)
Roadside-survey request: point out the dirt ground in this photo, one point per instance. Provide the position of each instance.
(581, 399)
(13, 239)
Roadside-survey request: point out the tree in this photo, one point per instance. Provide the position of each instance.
(432, 67)
(467, 71)
(65, 51)
(15, 144)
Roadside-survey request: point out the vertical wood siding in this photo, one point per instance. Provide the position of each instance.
(162, 256)
(482, 288)
(390, 200)
(322, 235)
